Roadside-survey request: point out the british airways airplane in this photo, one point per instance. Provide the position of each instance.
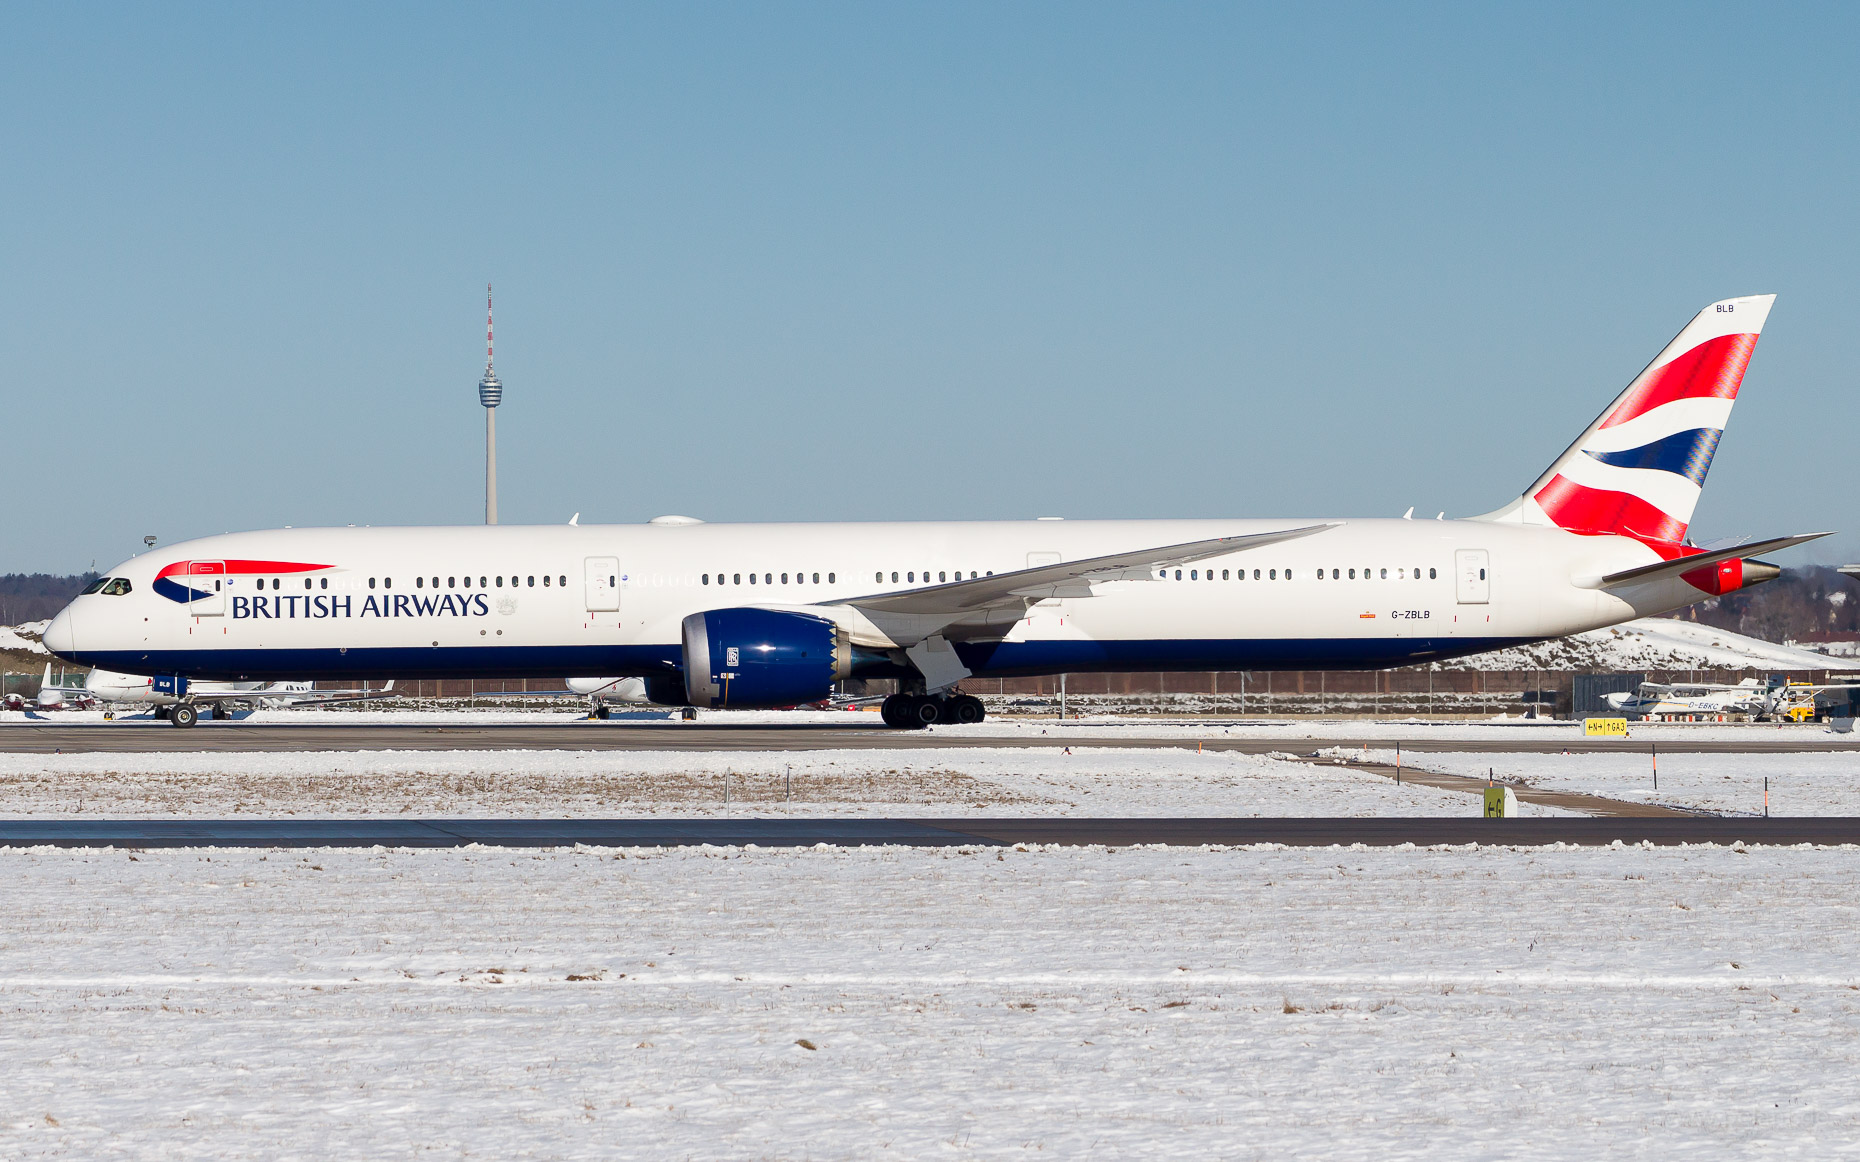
(717, 615)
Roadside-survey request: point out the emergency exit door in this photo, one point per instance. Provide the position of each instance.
(206, 580)
(603, 584)
(1472, 572)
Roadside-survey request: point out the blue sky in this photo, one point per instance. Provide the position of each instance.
(900, 261)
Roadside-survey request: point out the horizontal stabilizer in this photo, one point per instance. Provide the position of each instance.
(1065, 579)
(1678, 567)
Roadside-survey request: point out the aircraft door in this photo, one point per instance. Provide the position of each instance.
(1472, 576)
(207, 579)
(603, 584)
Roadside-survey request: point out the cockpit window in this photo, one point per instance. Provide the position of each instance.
(116, 587)
(93, 586)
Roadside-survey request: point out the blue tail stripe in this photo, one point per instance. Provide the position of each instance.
(1686, 454)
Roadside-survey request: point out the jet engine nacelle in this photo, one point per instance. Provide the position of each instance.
(748, 658)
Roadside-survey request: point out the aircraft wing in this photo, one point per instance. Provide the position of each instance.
(1022, 587)
(1662, 570)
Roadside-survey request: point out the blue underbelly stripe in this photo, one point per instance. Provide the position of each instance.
(1003, 659)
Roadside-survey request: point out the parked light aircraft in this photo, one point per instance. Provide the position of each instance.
(1762, 701)
(53, 696)
(717, 615)
(111, 688)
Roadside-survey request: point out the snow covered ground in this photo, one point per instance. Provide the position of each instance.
(1813, 783)
(1256, 1003)
(959, 781)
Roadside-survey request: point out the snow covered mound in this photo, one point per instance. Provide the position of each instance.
(1656, 643)
(24, 638)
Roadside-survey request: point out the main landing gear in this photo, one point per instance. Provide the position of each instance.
(916, 711)
(183, 714)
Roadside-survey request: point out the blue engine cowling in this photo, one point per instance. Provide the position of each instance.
(750, 658)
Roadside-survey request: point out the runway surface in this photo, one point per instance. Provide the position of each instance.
(121, 737)
(1378, 832)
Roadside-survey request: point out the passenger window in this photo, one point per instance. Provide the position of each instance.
(829, 578)
(500, 581)
(1385, 574)
(910, 577)
(545, 580)
(737, 579)
(894, 576)
(1194, 575)
(1430, 575)
(784, 578)
(768, 578)
(468, 582)
(816, 578)
(1273, 575)
(752, 578)
(707, 578)
(481, 582)
(532, 581)
(1224, 576)
(1333, 574)
(452, 583)
(1482, 574)
(940, 577)
(1178, 574)
(325, 584)
(1353, 574)
(387, 582)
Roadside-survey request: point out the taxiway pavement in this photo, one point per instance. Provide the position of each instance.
(1293, 832)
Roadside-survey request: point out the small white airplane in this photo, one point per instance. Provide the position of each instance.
(114, 689)
(1763, 701)
(53, 696)
(604, 693)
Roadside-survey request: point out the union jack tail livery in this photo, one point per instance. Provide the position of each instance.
(1638, 469)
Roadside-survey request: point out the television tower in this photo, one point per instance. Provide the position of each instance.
(490, 394)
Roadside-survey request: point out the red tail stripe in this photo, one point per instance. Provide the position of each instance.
(1714, 368)
(1597, 511)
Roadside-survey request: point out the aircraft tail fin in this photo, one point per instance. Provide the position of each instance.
(1638, 469)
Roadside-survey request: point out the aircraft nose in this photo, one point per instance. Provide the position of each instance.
(60, 635)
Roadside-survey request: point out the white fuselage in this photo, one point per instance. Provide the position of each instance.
(354, 603)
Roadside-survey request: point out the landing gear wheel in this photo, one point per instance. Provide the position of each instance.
(603, 713)
(924, 712)
(183, 715)
(965, 709)
(222, 712)
(161, 712)
(892, 711)
(689, 714)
